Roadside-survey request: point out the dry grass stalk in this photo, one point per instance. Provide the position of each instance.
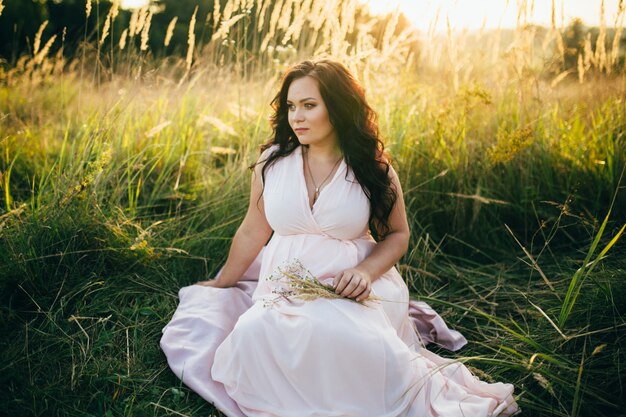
(105, 29)
(218, 124)
(113, 12)
(145, 36)
(220, 150)
(560, 46)
(37, 40)
(58, 63)
(229, 8)
(301, 13)
(619, 26)
(453, 55)
(158, 128)
(115, 9)
(588, 51)
(364, 46)
(123, 37)
(39, 58)
(216, 13)
(272, 25)
(226, 25)
(170, 31)
(521, 13)
(88, 8)
(581, 69)
(1, 7)
(559, 78)
(348, 15)
(261, 12)
(132, 26)
(285, 15)
(140, 21)
(191, 39)
(276, 12)
(338, 45)
(319, 13)
(600, 43)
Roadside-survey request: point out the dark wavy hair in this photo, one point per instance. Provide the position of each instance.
(356, 125)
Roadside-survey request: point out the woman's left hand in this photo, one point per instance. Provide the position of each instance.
(353, 283)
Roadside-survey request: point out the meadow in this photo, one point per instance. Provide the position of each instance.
(124, 175)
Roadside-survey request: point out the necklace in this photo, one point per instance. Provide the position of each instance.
(316, 194)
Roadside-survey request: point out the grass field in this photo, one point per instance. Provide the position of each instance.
(123, 179)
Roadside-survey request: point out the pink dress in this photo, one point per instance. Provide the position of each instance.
(320, 358)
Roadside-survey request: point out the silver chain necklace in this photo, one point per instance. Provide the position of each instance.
(317, 187)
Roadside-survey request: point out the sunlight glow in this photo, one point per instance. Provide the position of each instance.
(431, 15)
(134, 4)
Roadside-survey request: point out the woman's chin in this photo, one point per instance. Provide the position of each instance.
(303, 140)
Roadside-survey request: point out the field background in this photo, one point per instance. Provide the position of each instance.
(124, 145)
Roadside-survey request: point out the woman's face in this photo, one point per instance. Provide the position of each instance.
(307, 113)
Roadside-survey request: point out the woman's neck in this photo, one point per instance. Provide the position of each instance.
(327, 152)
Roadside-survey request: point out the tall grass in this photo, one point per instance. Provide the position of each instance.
(124, 179)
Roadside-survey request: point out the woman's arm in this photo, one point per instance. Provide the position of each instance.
(249, 239)
(356, 282)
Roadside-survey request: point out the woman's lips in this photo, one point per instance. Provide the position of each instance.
(300, 130)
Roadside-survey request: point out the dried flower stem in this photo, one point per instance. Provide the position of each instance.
(301, 284)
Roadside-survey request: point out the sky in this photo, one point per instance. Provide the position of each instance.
(473, 14)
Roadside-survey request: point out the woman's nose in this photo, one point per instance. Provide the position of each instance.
(297, 115)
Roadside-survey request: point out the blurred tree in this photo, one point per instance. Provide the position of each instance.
(402, 24)
(183, 10)
(70, 15)
(574, 42)
(574, 39)
(21, 19)
(19, 22)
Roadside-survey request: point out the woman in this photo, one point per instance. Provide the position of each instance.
(321, 184)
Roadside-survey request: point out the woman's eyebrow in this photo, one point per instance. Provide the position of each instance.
(303, 100)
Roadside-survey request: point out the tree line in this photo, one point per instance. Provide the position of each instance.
(74, 25)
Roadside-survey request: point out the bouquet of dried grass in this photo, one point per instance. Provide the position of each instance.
(295, 281)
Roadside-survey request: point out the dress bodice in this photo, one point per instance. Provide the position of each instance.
(341, 211)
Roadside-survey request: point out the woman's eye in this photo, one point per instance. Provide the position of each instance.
(291, 107)
(309, 106)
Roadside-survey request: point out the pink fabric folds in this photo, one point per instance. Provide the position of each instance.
(431, 327)
(204, 318)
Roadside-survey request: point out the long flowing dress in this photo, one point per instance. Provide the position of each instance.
(251, 353)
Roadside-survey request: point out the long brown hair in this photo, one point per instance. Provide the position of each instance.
(356, 125)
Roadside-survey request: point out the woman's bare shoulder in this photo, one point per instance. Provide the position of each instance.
(266, 153)
(263, 158)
